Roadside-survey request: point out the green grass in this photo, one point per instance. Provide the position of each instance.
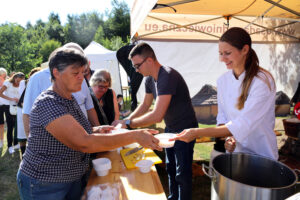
(9, 164)
(202, 150)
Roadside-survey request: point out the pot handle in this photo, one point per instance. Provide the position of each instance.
(297, 172)
(204, 167)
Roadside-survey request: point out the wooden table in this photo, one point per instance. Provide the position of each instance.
(133, 184)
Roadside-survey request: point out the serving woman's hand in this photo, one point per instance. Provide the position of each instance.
(187, 135)
(146, 139)
(230, 144)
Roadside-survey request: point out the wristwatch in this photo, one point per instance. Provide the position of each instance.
(127, 123)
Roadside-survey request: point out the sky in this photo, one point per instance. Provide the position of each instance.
(23, 11)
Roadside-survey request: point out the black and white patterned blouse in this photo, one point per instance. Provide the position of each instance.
(46, 158)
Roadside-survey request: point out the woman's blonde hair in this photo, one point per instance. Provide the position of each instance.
(238, 38)
(100, 76)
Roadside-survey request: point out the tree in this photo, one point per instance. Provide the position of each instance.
(47, 48)
(99, 35)
(118, 22)
(81, 29)
(54, 29)
(16, 52)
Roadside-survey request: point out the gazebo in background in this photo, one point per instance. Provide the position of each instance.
(206, 105)
(282, 104)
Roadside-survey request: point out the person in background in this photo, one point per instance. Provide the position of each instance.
(88, 72)
(22, 137)
(246, 99)
(41, 81)
(100, 83)
(61, 137)
(4, 106)
(10, 92)
(123, 113)
(134, 78)
(173, 104)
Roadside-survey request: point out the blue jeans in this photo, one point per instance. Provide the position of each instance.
(179, 161)
(33, 189)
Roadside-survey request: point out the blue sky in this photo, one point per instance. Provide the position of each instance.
(22, 11)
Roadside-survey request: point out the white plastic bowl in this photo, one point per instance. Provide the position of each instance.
(102, 166)
(164, 140)
(144, 165)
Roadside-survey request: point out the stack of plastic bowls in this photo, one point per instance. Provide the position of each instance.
(102, 166)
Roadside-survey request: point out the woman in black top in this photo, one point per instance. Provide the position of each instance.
(100, 83)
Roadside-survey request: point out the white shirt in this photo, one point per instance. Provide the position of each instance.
(20, 126)
(4, 101)
(252, 126)
(41, 81)
(11, 91)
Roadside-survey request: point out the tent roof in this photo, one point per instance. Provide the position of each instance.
(96, 48)
(187, 19)
(281, 98)
(252, 8)
(206, 96)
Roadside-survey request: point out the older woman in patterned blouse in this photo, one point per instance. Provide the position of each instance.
(61, 137)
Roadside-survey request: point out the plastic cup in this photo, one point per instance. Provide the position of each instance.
(102, 166)
(144, 165)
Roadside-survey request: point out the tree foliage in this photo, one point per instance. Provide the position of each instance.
(23, 48)
(82, 28)
(47, 48)
(16, 52)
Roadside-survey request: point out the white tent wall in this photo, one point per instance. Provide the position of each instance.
(102, 58)
(199, 64)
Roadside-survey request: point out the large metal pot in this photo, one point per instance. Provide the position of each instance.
(247, 176)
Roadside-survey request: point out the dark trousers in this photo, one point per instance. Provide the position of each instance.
(179, 161)
(11, 122)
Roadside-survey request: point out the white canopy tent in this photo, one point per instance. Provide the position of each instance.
(184, 35)
(102, 58)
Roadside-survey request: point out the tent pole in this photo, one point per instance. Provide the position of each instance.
(262, 15)
(269, 29)
(158, 6)
(283, 7)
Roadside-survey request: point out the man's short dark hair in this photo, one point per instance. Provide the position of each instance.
(143, 49)
(119, 95)
(62, 57)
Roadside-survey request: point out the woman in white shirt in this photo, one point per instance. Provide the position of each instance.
(246, 99)
(4, 106)
(11, 89)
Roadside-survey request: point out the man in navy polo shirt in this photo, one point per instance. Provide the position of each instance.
(172, 104)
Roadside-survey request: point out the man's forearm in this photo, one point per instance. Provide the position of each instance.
(139, 111)
(145, 120)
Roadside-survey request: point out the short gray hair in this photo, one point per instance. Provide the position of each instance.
(74, 45)
(63, 57)
(2, 71)
(100, 76)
